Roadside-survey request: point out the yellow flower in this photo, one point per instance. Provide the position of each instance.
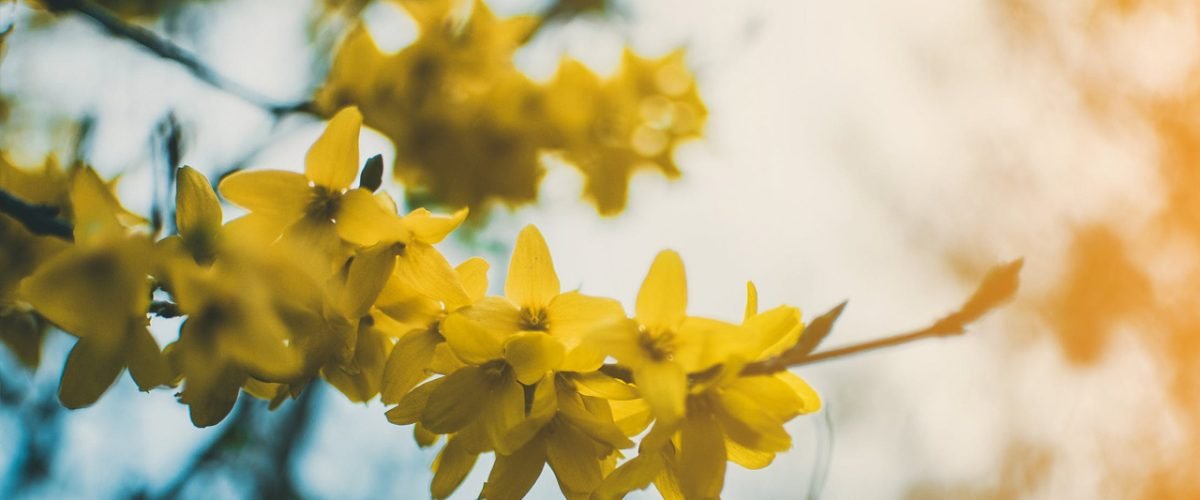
(99, 291)
(662, 345)
(304, 207)
(21, 329)
(232, 333)
(729, 417)
(420, 340)
(535, 329)
(612, 128)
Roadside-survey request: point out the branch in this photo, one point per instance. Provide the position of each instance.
(163, 48)
(165, 309)
(997, 287)
(38, 219)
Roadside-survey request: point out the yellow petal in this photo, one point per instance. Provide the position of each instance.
(277, 194)
(91, 368)
(147, 365)
(505, 411)
(197, 211)
(578, 471)
(423, 437)
(360, 381)
(451, 467)
(663, 385)
(542, 408)
(619, 339)
(472, 273)
(598, 425)
(369, 272)
(457, 401)
(631, 416)
(333, 160)
(95, 207)
(746, 457)
(751, 300)
(532, 355)
(751, 423)
(701, 457)
(776, 330)
(513, 475)
(431, 229)
(635, 474)
(701, 343)
(572, 317)
(477, 333)
(811, 401)
(597, 384)
(408, 364)
(92, 291)
(362, 220)
(531, 282)
(413, 404)
(662, 301)
(425, 269)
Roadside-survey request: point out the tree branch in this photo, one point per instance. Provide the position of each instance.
(41, 220)
(165, 49)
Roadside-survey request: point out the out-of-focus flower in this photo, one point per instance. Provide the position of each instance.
(99, 291)
(21, 329)
(470, 129)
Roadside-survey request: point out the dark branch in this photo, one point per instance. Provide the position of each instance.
(38, 219)
(164, 309)
(163, 48)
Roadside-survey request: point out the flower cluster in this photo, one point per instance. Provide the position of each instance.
(323, 279)
(470, 129)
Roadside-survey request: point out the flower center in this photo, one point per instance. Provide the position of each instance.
(660, 347)
(533, 319)
(324, 204)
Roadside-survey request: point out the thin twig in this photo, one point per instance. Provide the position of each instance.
(168, 50)
(38, 219)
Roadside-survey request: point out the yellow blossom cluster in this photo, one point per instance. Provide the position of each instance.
(470, 129)
(324, 279)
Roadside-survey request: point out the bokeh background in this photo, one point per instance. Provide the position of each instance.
(882, 151)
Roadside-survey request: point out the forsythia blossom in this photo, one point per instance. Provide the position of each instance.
(325, 280)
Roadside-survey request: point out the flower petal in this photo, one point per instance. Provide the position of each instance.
(663, 385)
(428, 272)
(531, 282)
(369, 272)
(472, 273)
(635, 474)
(408, 364)
(577, 470)
(361, 219)
(277, 194)
(751, 300)
(701, 343)
(572, 317)
(457, 401)
(197, 211)
(333, 160)
(504, 412)
(451, 467)
(413, 404)
(476, 333)
(811, 401)
(662, 300)
(532, 355)
(513, 475)
(701, 457)
(147, 365)
(429, 228)
(91, 369)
